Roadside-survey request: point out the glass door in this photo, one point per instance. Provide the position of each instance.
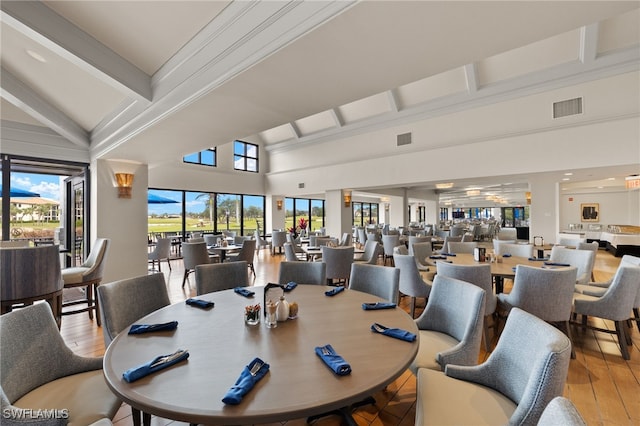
(75, 223)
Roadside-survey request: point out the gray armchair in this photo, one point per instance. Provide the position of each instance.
(479, 275)
(278, 238)
(615, 304)
(302, 272)
(411, 283)
(561, 411)
(38, 370)
(527, 369)
(221, 276)
(338, 261)
(581, 259)
(194, 254)
(162, 251)
(388, 243)
(451, 325)
(246, 254)
(380, 281)
(371, 252)
(260, 242)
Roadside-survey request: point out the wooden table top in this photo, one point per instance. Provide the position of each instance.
(504, 269)
(298, 384)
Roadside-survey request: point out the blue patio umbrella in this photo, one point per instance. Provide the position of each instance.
(156, 199)
(15, 192)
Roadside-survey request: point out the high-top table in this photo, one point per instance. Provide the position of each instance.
(298, 384)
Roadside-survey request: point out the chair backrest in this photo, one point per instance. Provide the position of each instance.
(441, 233)
(570, 242)
(338, 260)
(32, 352)
(196, 240)
(346, 239)
(362, 235)
(461, 247)
(414, 239)
(278, 238)
(479, 275)
(455, 308)
(497, 244)
(593, 246)
(421, 251)
(29, 272)
(96, 260)
(401, 249)
(561, 411)
(467, 237)
(619, 298)
(411, 283)
(194, 254)
(125, 301)
(303, 273)
(581, 259)
(545, 293)
(163, 248)
(456, 231)
(210, 239)
(389, 242)
(507, 234)
(518, 250)
(529, 366)
(371, 252)
(240, 239)
(289, 253)
(247, 251)
(229, 234)
(381, 281)
(221, 276)
(447, 240)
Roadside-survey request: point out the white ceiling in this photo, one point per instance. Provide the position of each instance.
(128, 77)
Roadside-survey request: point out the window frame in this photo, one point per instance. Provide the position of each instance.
(245, 157)
(199, 154)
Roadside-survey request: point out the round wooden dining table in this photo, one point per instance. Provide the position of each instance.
(299, 384)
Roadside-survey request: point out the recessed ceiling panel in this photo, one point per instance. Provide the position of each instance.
(315, 123)
(277, 134)
(620, 31)
(13, 113)
(433, 87)
(365, 108)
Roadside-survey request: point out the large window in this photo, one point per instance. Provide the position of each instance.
(205, 157)
(364, 213)
(245, 156)
(310, 210)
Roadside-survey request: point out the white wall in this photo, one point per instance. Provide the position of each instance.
(616, 208)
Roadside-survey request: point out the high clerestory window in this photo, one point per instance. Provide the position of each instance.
(205, 157)
(245, 156)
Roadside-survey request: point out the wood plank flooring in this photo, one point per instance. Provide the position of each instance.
(604, 387)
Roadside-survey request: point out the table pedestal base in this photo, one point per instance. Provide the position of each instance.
(345, 412)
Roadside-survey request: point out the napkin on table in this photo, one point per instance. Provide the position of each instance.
(245, 382)
(334, 291)
(148, 328)
(199, 303)
(398, 333)
(437, 257)
(333, 360)
(556, 264)
(448, 254)
(506, 255)
(135, 373)
(378, 305)
(290, 286)
(244, 292)
(542, 259)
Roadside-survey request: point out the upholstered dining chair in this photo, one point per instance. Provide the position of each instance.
(507, 234)
(388, 244)
(498, 243)
(89, 276)
(561, 411)
(303, 273)
(421, 253)
(362, 235)
(593, 246)
(545, 293)
(583, 260)
(526, 370)
(461, 247)
(371, 253)
(614, 305)
(415, 239)
(289, 253)
(338, 261)
(447, 240)
(513, 249)
(38, 370)
(194, 254)
(451, 325)
(411, 283)
(479, 275)
(346, 239)
(221, 276)
(162, 251)
(246, 254)
(260, 241)
(278, 238)
(381, 281)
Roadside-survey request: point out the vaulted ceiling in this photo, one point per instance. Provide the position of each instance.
(129, 79)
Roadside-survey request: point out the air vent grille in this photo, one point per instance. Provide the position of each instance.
(566, 108)
(300, 185)
(404, 139)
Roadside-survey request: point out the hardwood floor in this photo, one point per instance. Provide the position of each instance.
(604, 387)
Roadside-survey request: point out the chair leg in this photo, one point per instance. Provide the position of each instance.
(636, 314)
(168, 263)
(413, 307)
(184, 279)
(622, 340)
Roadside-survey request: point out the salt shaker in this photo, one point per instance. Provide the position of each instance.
(282, 311)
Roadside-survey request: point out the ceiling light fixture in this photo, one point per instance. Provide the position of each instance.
(568, 174)
(444, 185)
(35, 55)
(473, 192)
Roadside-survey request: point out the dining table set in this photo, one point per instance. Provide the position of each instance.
(201, 362)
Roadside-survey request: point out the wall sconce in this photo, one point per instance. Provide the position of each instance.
(279, 204)
(386, 207)
(527, 195)
(125, 184)
(347, 199)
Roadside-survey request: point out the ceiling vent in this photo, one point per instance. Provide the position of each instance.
(404, 139)
(300, 185)
(566, 108)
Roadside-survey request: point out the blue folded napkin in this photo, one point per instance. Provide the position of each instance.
(514, 269)
(398, 333)
(556, 264)
(199, 303)
(246, 381)
(542, 259)
(148, 328)
(334, 291)
(448, 254)
(506, 255)
(378, 305)
(158, 363)
(333, 360)
(244, 292)
(290, 286)
(437, 257)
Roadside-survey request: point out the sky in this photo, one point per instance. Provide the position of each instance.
(48, 186)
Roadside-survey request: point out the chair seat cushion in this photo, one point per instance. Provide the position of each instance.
(590, 290)
(431, 343)
(73, 275)
(442, 400)
(85, 395)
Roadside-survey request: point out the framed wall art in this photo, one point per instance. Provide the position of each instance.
(590, 212)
